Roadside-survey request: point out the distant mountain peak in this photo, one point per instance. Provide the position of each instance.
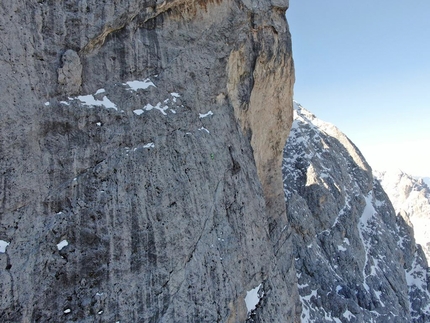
(411, 199)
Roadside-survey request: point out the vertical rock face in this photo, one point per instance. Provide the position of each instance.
(70, 74)
(140, 161)
(355, 260)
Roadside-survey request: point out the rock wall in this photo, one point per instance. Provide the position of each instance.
(356, 260)
(140, 161)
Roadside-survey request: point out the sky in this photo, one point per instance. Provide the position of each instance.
(365, 67)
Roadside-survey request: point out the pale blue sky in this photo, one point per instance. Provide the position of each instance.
(365, 67)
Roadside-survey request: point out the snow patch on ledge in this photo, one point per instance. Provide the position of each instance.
(89, 100)
(252, 298)
(139, 85)
(100, 91)
(149, 107)
(149, 145)
(204, 129)
(138, 112)
(3, 246)
(62, 244)
(204, 115)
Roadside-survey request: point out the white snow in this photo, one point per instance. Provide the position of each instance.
(100, 91)
(341, 248)
(89, 100)
(138, 111)
(67, 311)
(62, 244)
(203, 128)
(302, 286)
(149, 145)
(368, 213)
(308, 297)
(204, 115)
(416, 276)
(252, 298)
(378, 295)
(416, 279)
(306, 315)
(410, 198)
(175, 96)
(158, 106)
(65, 102)
(3, 246)
(98, 123)
(369, 210)
(348, 315)
(47, 103)
(139, 85)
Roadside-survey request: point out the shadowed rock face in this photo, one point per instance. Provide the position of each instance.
(140, 161)
(356, 260)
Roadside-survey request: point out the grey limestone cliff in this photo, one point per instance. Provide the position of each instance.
(356, 260)
(140, 153)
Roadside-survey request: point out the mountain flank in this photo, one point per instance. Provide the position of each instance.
(356, 261)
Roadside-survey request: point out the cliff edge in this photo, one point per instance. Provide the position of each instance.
(141, 161)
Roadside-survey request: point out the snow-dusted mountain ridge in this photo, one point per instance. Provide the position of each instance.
(411, 200)
(356, 261)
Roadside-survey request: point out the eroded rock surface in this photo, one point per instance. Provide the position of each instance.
(140, 175)
(70, 73)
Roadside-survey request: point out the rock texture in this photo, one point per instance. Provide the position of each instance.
(140, 161)
(411, 200)
(356, 260)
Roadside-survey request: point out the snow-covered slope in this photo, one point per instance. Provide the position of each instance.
(411, 199)
(356, 261)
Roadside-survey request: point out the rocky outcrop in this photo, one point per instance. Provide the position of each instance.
(140, 173)
(411, 200)
(70, 74)
(356, 261)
